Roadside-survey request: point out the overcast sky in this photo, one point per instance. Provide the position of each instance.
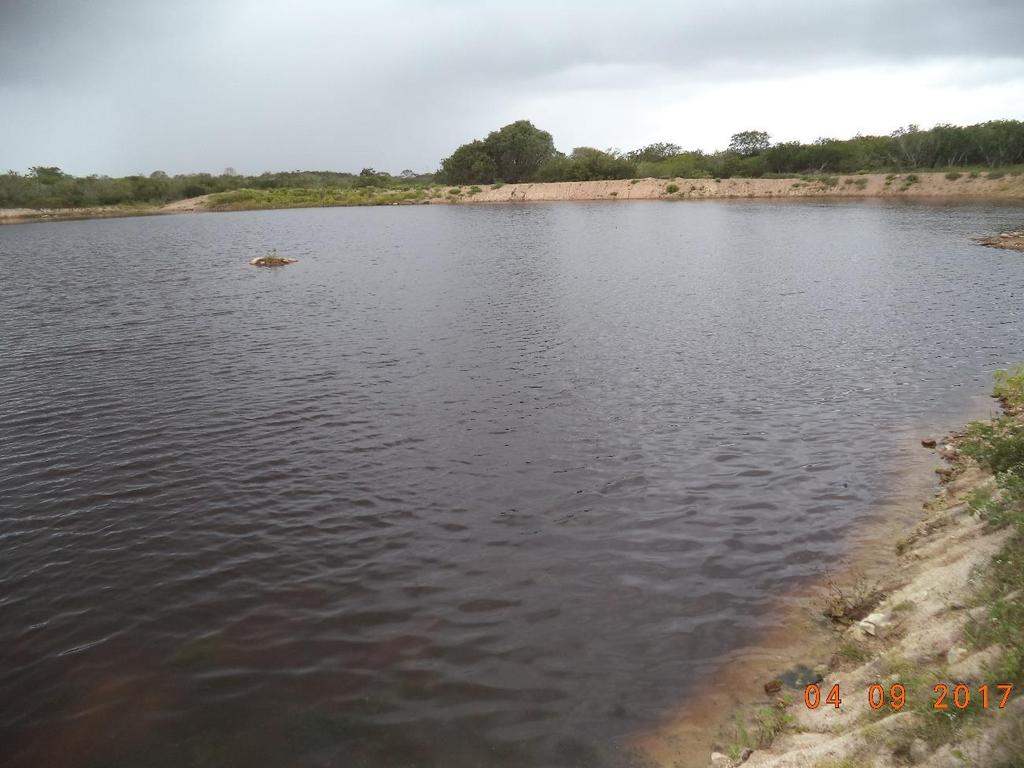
(127, 87)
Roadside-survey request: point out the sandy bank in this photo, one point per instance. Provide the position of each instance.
(923, 606)
(911, 185)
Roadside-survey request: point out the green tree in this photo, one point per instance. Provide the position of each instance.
(653, 153)
(46, 174)
(469, 164)
(518, 150)
(749, 143)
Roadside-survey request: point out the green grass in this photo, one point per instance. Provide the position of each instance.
(1009, 386)
(994, 175)
(953, 175)
(258, 199)
(757, 730)
(672, 189)
(997, 445)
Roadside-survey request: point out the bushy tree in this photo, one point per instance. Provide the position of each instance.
(653, 153)
(586, 164)
(469, 164)
(518, 150)
(513, 153)
(748, 143)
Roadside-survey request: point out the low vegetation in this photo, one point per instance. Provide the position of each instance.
(255, 199)
(50, 187)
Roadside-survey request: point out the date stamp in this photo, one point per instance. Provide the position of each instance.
(945, 696)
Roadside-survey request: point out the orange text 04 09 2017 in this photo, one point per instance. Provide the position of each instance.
(944, 696)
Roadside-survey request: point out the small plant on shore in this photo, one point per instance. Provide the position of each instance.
(973, 174)
(771, 723)
(890, 177)
(634, 181)
(853, 652)
(1009, 387)
(613, 194)
(474, 190)
(846, 604)
(953, 175)
(454, 191)
(497, 185)
(672, 189)
(997, 445)
(994, 175)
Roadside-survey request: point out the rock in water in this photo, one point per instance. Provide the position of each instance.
(271, 261)
(929, 442)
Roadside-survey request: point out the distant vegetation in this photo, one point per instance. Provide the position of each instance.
(522, 152)
(45, 187)
(303, 197)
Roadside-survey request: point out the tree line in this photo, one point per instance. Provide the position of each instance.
(50, 187)
(521, 152)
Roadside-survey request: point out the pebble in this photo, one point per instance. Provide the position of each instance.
(957, 654)
(876, 624)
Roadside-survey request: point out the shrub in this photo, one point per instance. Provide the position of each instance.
(996, 445)
(994, 175)
(974, 174)
(1009, 386)
(953, 175)
(454, 191)
(672, 189)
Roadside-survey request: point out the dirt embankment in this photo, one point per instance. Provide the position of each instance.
(862, 185)
(22, 215)
(912, 642)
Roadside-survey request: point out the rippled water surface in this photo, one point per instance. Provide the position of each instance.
(465, 486)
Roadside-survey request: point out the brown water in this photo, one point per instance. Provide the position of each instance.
(466, 485)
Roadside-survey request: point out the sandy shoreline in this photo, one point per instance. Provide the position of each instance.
(927, 564)
(871, 185)
(929, 185)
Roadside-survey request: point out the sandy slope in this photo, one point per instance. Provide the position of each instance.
(866, 185)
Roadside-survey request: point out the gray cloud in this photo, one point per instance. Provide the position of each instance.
(123, 86)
